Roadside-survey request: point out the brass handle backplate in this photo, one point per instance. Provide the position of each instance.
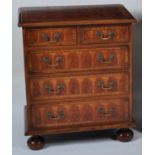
(102, 112)
(100, 58)
(59, 116)
(46, 37)
(58, 89)
(101, 35)
(101, 85)
(48, 62)
(57, 36)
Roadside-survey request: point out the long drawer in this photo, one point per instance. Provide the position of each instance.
(71, 114)
(77, 60)
(79, 86)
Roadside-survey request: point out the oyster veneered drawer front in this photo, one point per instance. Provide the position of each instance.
(78, 59)
(104, 34)
(79, 86)
(50, 36)
(69, 114)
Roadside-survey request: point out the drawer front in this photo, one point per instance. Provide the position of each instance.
(70, 114)
(104, 34)
(78, 86)
(50, 36)
(78, 60)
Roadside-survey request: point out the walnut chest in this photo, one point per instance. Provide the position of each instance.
(78, 70)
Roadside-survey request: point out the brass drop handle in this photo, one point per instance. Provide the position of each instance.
(58, 89)
(56, 37)
(45, 37)
(101, 85)
(100, 58)
(48, 62)
(60, 115)
(102, 112)
(102, 36)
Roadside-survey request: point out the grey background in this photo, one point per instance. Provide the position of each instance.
(19, 99)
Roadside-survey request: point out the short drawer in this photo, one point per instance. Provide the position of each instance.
(78, 59)
(104, 34)
(79, 86)
(78, 113)
(50, 36)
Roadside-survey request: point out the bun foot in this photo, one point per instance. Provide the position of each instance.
(124, 135)
(36, 142)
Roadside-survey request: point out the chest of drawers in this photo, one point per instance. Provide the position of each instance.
(78, 70)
